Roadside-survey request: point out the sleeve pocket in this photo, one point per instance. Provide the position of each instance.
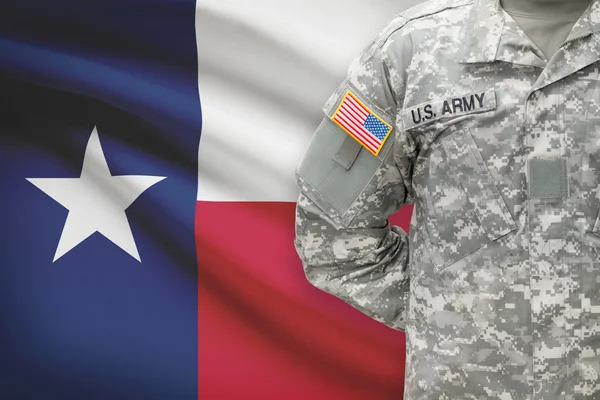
(330, 185)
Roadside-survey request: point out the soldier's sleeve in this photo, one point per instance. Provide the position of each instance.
(348, 191)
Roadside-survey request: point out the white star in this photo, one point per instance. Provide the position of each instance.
(96, 201)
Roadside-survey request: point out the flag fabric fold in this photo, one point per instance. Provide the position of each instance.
(147, 151)
(266, 68)
(100, 127)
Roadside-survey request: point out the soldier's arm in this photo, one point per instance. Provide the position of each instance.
(347, 193)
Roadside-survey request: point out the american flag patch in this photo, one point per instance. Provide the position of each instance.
(361, 123)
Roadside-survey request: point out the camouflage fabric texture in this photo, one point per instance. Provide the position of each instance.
(498, 284)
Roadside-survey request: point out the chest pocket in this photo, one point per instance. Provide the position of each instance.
(465, 210)
(589, 150)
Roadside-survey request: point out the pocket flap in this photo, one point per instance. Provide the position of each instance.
(465, 209)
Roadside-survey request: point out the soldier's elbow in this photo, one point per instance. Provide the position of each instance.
(312, 276)
(317, 273)
(323, 279)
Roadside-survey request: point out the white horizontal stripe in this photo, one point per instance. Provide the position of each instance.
(351, 115)
(359, 127)
(360, 110)
(362, 117)
(359, 118)
(259, 112)
(352, 128)
(357, 132)
(348, 114)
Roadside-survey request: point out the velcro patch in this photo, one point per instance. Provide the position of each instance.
(366, 127)
(548, 177)
(449, 107)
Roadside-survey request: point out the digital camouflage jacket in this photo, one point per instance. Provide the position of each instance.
(497, 286)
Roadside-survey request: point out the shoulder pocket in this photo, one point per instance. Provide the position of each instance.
(334, 187)
(465, 210)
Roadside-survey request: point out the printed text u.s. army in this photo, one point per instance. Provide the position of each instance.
(449, 106)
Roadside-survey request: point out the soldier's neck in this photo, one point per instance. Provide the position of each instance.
(546, 8)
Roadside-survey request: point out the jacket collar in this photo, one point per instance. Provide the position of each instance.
(486, 32)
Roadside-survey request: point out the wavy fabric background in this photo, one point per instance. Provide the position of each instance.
(96, 323)
(266, 68)
(217, 306)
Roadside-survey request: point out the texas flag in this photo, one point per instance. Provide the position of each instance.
(147, 151)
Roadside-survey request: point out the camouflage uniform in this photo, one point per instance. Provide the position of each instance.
(498, 284)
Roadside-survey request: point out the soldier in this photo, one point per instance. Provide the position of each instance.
(486, 117)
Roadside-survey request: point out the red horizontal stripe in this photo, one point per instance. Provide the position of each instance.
(360, 126)
(360, 129)
(265, 332)
(358, 118)
(361, 141)
(357, 133)
(361, 116)
(353, 103)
